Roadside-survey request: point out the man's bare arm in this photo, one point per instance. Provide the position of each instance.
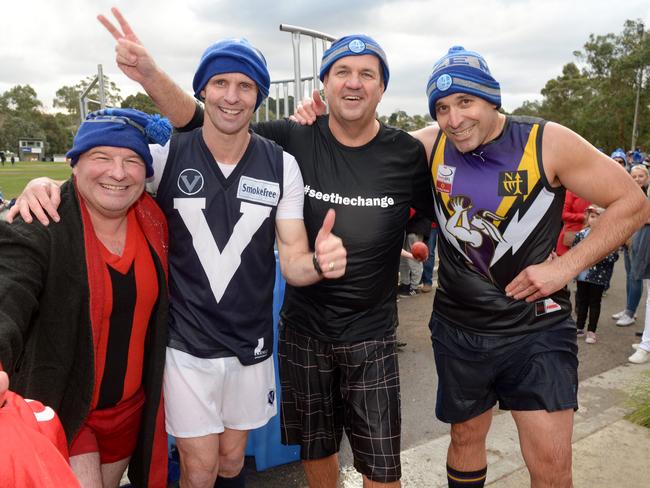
(427, 136)
(297, 261)
(41, 197)
(571, 161)
(136, 63)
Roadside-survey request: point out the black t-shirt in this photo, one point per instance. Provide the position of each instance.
(371, 188)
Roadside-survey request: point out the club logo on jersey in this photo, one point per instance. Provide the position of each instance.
(258, 191)
(190, 181)
(270, 397)
(475, 231)
(445, 178)
(259, 351)
(513, 183)
(546, 306)
(220, 265)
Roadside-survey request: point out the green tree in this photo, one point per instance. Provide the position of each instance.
(596, 96)
(20, 99)
(20, 116)
(14, 127)
(59, 131)
(67, 97)
(404, 121)
(140, 101)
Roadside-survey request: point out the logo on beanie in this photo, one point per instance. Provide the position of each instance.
(443, 82)
(356, 45)
(190, 181)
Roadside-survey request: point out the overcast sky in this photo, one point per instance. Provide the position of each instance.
(51, 43)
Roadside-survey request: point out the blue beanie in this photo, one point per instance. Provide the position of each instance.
(637, 157)
(461, 71)
(618, 153)
(354, 45)
(233, 56)
(121, 127)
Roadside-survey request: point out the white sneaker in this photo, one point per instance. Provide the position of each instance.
(635, 346)
(591, 337)
(639, 357)
(618, 315)
(625, 320)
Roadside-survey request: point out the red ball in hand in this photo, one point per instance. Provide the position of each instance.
(420, 251)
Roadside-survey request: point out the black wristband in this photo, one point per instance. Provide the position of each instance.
(314, 260)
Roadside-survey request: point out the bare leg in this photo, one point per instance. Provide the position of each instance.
(376, 484)
(112, 472)
(322, 473)
(545, 439)
(87, 469)
(232, 446)
(199, 457)
(467, 448)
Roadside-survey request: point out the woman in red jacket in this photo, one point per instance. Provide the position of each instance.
(573, 217)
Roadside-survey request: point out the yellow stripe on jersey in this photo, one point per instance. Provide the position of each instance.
(438, 159)
(529, 164)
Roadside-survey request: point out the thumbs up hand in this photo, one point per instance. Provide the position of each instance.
(329, 251)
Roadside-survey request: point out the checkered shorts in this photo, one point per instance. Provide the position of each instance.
(328, 387)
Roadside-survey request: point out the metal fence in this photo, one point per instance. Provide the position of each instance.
(299, 85)
(84, 98)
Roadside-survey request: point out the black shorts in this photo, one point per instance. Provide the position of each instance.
(329, 387)
(536, 371)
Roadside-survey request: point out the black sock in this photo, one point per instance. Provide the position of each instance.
(466, 479)
(238, 481)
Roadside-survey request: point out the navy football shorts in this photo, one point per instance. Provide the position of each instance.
(535, 371)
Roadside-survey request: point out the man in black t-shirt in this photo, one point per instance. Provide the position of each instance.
(337, 341)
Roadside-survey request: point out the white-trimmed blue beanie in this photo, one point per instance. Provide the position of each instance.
(354, 45)
(233, 56)
(462, 71)
(121, 127)
(618, 153)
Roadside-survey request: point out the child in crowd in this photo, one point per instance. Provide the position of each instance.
(592, 282)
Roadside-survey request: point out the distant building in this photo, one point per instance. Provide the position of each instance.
(31, 149)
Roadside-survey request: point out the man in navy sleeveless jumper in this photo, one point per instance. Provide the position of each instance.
(337, 339)
(228, 193)
(83, 315)
(501, 327)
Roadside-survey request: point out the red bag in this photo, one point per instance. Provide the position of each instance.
(33, 446)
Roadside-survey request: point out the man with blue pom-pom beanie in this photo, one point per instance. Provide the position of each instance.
(83, 317)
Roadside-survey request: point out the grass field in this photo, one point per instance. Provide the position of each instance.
(13, 178)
